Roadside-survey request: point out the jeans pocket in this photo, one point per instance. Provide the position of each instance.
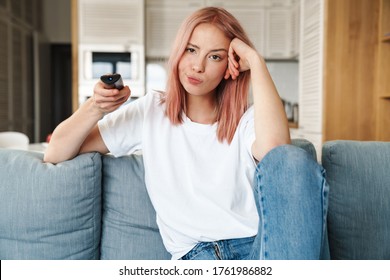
(201, 251)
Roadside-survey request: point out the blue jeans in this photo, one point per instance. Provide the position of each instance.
(291, 196)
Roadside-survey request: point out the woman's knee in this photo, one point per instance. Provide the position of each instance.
(287, 156)
(289, 166)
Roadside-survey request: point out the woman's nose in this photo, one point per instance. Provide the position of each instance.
(198, 66)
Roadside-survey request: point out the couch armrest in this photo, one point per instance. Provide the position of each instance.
(359, 198)
(306, 145)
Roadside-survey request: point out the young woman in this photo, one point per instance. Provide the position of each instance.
(203, 147)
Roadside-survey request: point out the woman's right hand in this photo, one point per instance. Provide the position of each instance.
(108, 100)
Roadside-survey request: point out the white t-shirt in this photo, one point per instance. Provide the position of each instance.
(200, 188)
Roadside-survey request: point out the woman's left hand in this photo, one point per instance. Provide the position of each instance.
(240, 57)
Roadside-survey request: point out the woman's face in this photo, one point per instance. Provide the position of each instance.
(204, 62)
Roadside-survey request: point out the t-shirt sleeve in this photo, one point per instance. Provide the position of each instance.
(121, 130)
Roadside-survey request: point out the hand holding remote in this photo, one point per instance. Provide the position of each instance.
(112, 81)
(104, 98)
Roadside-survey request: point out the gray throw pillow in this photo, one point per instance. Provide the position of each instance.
(49, 211)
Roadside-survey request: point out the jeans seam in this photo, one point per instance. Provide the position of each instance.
(324, 193)
(263, 221)
(217, 251)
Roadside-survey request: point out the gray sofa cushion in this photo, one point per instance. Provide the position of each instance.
(306, 145)
(51, 211)
(359, 199)
(129, 221)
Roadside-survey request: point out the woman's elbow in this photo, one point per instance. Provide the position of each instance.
(55, 156)
(49, 159)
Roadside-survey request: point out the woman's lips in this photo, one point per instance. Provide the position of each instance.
(193, 80)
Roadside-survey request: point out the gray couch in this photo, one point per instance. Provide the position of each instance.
(96, 207)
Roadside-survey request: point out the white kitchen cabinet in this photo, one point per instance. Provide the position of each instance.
(163, 19)
(237, 4)
(112, 22)
(251, 15)
(272, 26)
(280, 3)
(281, 33)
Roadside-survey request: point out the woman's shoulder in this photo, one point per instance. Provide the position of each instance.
(155, 96)
(150, 98)
(152, 101)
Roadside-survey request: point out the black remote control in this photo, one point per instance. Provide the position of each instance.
(112, 81)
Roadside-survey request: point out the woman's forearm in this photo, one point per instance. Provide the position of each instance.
(271, 125)
(68, 137)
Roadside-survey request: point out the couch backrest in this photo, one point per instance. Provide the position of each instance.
(129, 228)
(87, 208)
(359, 199)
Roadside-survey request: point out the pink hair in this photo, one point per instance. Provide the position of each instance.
(232, 95)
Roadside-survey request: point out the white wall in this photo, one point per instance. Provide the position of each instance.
(56, 20)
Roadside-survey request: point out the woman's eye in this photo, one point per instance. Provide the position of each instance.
(215, 57)
(190, 50)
